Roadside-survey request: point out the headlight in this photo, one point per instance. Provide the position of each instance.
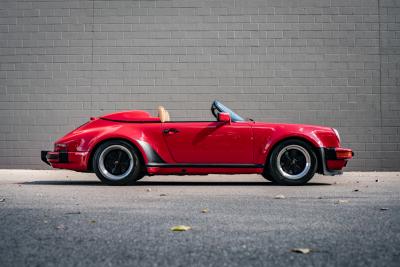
(337, 134)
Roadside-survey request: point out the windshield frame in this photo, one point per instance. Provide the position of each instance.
(218, 107)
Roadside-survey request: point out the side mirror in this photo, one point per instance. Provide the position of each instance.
(224, 117)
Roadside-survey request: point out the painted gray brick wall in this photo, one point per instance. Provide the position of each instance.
(329, 62)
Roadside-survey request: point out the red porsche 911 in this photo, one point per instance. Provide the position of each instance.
(125, 146)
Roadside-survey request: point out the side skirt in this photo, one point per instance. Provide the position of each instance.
(201, 165)
(203, 169)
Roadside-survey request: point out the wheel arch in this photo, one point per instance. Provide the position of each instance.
(99, 143)
(312, 144)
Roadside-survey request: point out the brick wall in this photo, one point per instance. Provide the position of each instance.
(329, 62)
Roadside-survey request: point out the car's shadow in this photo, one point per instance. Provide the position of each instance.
(164, 183)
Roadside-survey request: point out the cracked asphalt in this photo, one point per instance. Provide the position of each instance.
(63, 218)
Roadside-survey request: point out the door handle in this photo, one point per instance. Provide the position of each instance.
(171, 131)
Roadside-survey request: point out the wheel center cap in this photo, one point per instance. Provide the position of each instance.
(116, 162)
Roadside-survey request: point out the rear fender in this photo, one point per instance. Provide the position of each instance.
(146, 137)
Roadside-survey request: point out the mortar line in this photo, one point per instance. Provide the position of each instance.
(91, 63)
(380, 81)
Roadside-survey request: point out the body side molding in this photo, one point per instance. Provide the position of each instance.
(203, 165)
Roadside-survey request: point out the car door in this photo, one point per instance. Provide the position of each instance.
(209, 142)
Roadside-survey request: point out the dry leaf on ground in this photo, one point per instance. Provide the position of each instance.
(73, 213)
(180, 228)
(301, 250)
(341, 201)
(204, 210)
(60, 227)
(280, 196)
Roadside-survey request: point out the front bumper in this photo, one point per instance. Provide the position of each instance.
(333, 160)
(66, 160)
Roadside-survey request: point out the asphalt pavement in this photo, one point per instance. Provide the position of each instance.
(63, 218)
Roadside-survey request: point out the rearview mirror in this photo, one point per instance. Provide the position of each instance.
(224, 117)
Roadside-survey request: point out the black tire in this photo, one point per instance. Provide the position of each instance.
(267, 177)
(297, 163)
(117, 162)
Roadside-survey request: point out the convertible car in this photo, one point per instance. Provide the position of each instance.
(123, 147)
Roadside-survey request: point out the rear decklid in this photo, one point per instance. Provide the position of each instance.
(130, 116)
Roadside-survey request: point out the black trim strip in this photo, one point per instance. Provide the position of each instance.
(189, 121)
(151, 121)
(201, 165)
(151, 154)
(324, 158)
(53, 156)
(330, 153)
(43, 156)
(63, 157)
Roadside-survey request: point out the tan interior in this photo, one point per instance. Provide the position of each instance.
(163, 114)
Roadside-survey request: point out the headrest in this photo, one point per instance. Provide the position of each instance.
(167, 118)
(163, 114)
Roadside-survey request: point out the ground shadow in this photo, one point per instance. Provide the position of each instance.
(164, 183)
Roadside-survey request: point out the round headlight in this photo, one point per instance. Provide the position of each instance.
(337, 134)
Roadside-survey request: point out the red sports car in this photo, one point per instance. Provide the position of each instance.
(123, 147)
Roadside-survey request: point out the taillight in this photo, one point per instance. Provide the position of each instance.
(68, 146)
(344, 154)
(60, 147)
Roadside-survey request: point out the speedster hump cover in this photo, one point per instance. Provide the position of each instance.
(131, 116)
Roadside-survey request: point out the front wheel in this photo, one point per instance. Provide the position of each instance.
(292, 162)
(267, 177)
(117, 163)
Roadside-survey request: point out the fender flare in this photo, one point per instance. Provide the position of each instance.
(148, 154)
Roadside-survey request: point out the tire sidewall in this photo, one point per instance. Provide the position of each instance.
(278, 177)
(267, 176)
(135, 173)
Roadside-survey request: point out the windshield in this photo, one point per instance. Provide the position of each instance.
(218, 107)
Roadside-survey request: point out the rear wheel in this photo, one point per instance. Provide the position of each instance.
(292, 162)
(117, 162)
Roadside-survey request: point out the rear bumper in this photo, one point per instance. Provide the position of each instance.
(49, 157)
(66, 160)
(334, 159)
